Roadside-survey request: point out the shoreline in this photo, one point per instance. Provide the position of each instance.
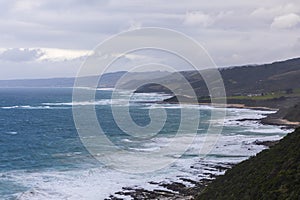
(277, 121)
(177, 190)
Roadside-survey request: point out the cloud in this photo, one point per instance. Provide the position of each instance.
(42, 54)
(57, 55)
(57, 33)
(20, 55)
(197, 18)
(25, 5)
(135, 25)
(286, 21)
(273, 11)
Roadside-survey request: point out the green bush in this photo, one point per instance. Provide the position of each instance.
(271, 174)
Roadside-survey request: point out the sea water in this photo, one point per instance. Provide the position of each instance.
(42, 156)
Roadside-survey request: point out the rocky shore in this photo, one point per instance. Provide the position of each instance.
(182, 189)
(271, 174)
(187, 189)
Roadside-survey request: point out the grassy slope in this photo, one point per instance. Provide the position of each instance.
(272, 174)
(244, 80)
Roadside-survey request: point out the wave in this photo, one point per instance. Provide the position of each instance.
(74, 184)
(127, 140)
(93, 183)
(98, 183)
(27, 107)
(152, 149)
(89, 103)
(268, 130)
(91, 88)
(105, 89)
(81, 103)
(174, 106)
(12, 133)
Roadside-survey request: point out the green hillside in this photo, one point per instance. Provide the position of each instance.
(239, 81)
(271, 174)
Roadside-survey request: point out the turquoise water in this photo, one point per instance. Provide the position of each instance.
(42, 156)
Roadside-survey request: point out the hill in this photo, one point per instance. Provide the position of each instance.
(272, 174)
(275, 85)
(268, 80)
(107, 80)
(239, 81)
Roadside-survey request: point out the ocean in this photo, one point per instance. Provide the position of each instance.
(42, 156)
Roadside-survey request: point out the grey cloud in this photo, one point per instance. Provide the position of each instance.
(20, 55)
(234, 32)
(14, 70)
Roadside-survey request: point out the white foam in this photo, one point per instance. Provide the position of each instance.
(172, 106)
(126, 140)
(81, 103)
(27, 107)
(102, 102)
(269, 129)
(99, 183)
(12, 133)
(105, 89)
(92, 88)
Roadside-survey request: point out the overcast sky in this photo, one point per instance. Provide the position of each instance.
(51, 38)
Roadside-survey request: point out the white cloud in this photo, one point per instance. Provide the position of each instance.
(56, 55)
(286, 21)
(271, 12)
(20, 54)
(196, 18)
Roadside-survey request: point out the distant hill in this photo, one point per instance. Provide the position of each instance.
(271, 174)
(52, 82)
(263, 79)
(107, 80)
(240, 80)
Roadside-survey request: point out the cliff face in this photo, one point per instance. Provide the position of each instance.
(272, 174)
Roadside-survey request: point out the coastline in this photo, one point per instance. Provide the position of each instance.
(277, 121)
(271, 174)
(268, 120)
(179, 191)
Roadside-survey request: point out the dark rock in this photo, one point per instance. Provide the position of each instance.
(266, 143)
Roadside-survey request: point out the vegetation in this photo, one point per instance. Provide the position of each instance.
(239, 81)
(271, 174)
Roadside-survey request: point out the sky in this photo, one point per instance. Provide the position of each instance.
(52, 38)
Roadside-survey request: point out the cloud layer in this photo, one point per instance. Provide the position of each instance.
(49, 35)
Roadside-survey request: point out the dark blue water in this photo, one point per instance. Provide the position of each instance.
(34, 136)
(37, 128)
(38, 134)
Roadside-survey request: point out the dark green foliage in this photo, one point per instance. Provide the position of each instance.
(271, 174)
